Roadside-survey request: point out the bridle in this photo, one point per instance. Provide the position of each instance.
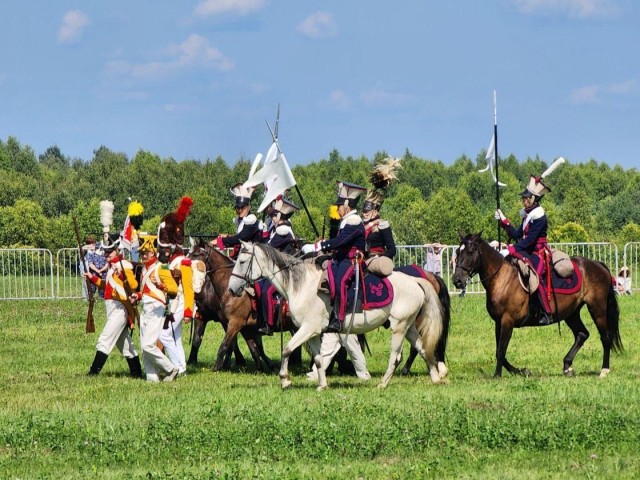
(471, 271)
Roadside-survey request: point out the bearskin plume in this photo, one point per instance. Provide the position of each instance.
(106, 215)
(134, 212)
(384, 173)
(171, 230)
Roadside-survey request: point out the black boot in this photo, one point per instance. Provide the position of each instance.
(545, 318)
(134, 367)
(334, 324)
(98, 362)
(265, 330)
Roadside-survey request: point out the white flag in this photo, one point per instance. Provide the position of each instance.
(491, 161)
(275, 175)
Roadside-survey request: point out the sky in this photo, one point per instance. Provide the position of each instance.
(199, 79)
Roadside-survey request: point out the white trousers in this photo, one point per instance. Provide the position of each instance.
(116, 331)
(172, 338)
(331, 343)
(151, 321)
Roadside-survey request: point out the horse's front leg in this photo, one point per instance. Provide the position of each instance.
(395, 357)
(302, 335)
(226, 347)
(503, 337)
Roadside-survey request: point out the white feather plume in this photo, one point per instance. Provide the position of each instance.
(559, 161)
(106, 214)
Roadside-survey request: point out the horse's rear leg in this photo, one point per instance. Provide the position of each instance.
(395, 357)
(415, 341)
(413, 353)
(599, 314)
(223, 359)
(580, 335)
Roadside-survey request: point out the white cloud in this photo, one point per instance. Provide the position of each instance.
(571, 8)
(73, 26)
(596, 93)
(378, 97)
(209, 8)
(339, 99)
(194, 52)
(318, 25)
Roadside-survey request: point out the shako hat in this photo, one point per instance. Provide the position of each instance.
(348, 194)
(171, 228)
(148, 243)
(536, 188)
(242, 194)
(284, 207)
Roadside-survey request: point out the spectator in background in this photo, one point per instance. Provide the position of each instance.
(96, 263)
(89, 260)
(623, 281)
(433, 261)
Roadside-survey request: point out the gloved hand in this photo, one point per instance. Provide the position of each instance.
(498, 215)
(504, 252)
(308, 248)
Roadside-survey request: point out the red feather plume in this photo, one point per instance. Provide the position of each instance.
(183, 209)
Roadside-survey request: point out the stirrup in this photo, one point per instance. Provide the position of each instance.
(545, 318)
(334, 325)
(265, 330)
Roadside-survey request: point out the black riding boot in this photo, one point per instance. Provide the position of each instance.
(334, 324)
(544, 318)
(98, 362)
(134, 367)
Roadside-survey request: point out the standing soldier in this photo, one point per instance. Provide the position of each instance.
(281, 238)
(156, 285)
(248, 228)
(116, 331)
(171, 251)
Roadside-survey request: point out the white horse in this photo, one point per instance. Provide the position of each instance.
(298, 281)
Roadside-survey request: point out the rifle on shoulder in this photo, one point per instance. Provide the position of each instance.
(90, 326)
(133, 315)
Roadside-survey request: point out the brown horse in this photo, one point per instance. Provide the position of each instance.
(234, 313)
(508, 302)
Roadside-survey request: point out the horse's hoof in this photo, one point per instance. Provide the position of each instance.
(286, 383)
(604, 372)
(404, 372)
(442, 369)
(382, 386)
(568, 372)
(320, 388)
(525, 372)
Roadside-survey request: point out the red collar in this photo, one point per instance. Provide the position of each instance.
(150, 262)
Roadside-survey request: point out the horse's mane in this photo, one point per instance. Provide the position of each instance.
(296, 268)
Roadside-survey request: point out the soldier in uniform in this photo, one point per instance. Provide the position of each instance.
(248, 228)
(346, 246)
(181, 308)
(281, 238)
(116, 331)
(156, 286)
(531, 236)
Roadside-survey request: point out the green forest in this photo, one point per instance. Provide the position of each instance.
(431, 201)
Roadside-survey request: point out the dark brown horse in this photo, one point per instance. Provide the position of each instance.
(234, 313)
(508, 302)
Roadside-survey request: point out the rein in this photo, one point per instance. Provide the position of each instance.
(471, 272)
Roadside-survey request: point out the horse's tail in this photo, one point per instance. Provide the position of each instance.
(430, 320)
(445, 301)
(613, 316)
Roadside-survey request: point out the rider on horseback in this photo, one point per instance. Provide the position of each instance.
(531, 238)
(248, 228)
(281, 238)
(346, 245)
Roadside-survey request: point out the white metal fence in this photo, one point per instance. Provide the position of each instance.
(34, 273)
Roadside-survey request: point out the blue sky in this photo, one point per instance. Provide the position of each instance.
(197, 79)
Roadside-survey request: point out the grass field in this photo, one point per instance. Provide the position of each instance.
(55, 422)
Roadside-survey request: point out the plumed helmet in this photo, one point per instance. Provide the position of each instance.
(283, 207)
(135, 212)
(148, 243)
(241, 194)
(348, 194)
(381, 177)
(171, 228)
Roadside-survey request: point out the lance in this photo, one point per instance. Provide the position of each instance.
(495, 158)
(304, 204)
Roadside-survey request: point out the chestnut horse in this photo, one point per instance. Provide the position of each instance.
(233, 312)
(508, 302)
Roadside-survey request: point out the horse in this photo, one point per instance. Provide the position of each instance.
(508, 303)
(298, 280)
(233, 312)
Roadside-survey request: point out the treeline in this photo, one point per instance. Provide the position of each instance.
(432, 201)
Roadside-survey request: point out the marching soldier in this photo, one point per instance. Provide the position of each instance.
(248, 228)
(116, 331)
(281, 238)
(156, 285)
(181, 308)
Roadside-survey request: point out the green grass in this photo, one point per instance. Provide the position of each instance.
(55, 422)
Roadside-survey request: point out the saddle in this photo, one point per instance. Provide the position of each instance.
(565, 275)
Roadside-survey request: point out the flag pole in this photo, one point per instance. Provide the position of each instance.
(495, 157)
(304, 204)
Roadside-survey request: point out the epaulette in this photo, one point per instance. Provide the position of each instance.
(186, 261)
(250, 219)
(383, 224)
(164, 266)
(352, 220)
(283, 230)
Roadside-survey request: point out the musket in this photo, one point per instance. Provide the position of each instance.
(324, 226)
(133, 316)
(90, 326)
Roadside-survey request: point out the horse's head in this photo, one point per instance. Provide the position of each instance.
(246, 269)
(467, 259)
